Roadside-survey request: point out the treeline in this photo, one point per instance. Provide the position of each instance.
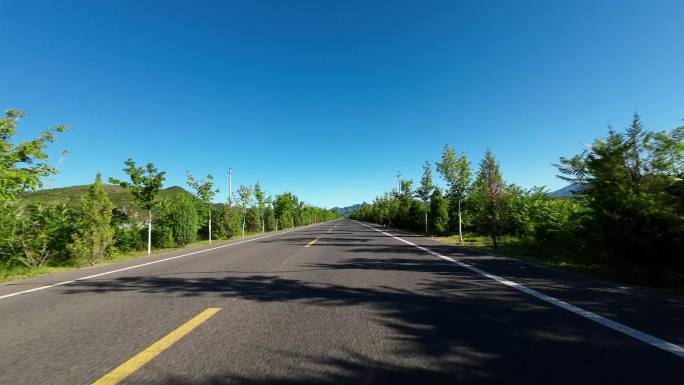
(627, 208)
(37, 235)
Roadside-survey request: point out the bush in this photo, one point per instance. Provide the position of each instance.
(92, 240)
(218, 228)
(180, 217)
(162, 236)
(439, 211)
(40, 234)
(9, 226)
(253, 222)
(232, 223)
(269, 219)
(128, 237)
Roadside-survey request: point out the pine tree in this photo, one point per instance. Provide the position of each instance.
(489, 188)
(92, 242)
(632, 183)
(425, 189)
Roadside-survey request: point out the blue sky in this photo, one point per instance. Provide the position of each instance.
(328, 99)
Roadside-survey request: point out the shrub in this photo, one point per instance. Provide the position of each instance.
(92, 240)
(180, 216)
(42, 234)
(162, 236)
(439, 212)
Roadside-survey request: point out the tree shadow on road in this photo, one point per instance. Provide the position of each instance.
(641, 308)
(467, 328)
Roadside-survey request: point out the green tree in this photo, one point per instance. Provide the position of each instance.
(205, 192)
(91, 243)
(181, 218)
(632, 183)
(425, 189)
(285, 205)
(259, 196)
(252, 219)
(489, 191)
(439, 212)
(219, 226)
(23, 165)
(244, 197)
(144, 186)
(403, 217)
(269, 216)
(456, 172)
(10, 219)
(43, 234)
(232, 221)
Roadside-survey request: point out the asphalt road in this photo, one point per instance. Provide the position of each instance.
(333, 303)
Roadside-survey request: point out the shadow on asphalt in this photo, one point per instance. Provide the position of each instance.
(655, 311)
(467, 328)
(450, 325)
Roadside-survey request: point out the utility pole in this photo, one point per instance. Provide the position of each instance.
(399, 180)
(230, 187)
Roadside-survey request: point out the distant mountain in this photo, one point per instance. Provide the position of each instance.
(347, 210)
(566, 192)
(121, 198)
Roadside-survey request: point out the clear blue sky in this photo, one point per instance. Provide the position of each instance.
(328, 99)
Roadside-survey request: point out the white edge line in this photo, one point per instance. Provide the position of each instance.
(624, 329)
(146, 264)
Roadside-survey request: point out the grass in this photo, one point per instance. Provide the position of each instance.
(567, 260)
(23, 272)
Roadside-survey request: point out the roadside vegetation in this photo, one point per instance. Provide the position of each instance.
(43, 232)
(625, 220)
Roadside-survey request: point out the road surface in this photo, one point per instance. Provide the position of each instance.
(337, 302)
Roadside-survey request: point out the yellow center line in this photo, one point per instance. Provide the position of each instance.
(140, 359)
(311, 243)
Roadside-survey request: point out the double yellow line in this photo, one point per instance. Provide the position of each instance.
(129, 367)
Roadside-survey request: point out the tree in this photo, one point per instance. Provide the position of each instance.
(232, 222)
(43, 233)
(244, 196)
(10, 220)
(633, 185)
(23, 165)
(426, 187)
(269, 216)
(181, 218)
(406, 188)
(489, 190)
(204, 191)
(402, 208)
(91, 243)
(144, 186)
(285, 205)
(456, 172)
(259, 196)
(439, 212)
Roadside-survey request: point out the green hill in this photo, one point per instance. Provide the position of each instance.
(121, 198)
